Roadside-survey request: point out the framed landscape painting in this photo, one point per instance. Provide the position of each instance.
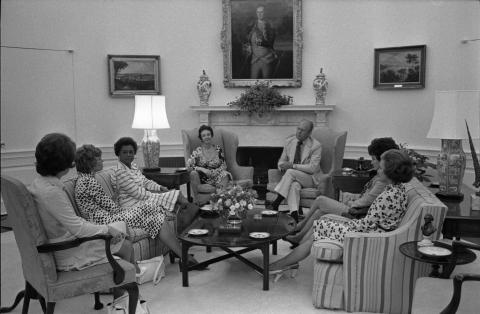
(262, 40)
(400, 67)
(130, 75)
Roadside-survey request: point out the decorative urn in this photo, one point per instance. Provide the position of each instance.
(204, 88)
(320, 86)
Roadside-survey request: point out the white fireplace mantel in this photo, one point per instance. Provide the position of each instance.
(286, 115)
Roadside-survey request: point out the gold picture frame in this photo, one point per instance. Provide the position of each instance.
(262, 43)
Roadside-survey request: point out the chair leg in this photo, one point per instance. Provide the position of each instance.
(30, 293)
(18, 298)
(172, 255)
(98, 305)
(132, 289)
(42, 303)
(50, 307)
(209, 249)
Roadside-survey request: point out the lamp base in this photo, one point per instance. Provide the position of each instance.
(449, 196)
(451, 168)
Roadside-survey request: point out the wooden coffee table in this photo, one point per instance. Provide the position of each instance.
(277, 226)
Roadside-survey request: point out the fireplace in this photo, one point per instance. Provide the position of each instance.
(261, 159)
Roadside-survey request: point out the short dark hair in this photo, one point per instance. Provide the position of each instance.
(203, 128)
(398, 165)
(54, 153)
(125, 141)
(85, 160)
(380, 145)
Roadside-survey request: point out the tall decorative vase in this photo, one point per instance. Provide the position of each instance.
(204, 88)
(451, 168)
(151, 149)
(320, 86)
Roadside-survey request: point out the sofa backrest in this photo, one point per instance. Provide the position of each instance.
(422, 199)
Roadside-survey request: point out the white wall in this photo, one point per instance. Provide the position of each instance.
(339, 36)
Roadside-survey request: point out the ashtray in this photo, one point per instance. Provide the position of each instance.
(197, 232)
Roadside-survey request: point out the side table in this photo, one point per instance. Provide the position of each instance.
(448, 263)
(170, 179)
(349, 181)
(461, 220)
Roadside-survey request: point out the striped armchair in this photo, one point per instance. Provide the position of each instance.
(367, 273)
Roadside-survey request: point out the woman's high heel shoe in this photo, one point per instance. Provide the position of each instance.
(291, 269)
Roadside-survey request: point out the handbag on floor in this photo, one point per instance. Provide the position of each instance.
(151, 270)
(120, 306)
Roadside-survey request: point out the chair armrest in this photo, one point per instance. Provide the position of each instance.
(457, 291)
(118, 272)
(274, 175)
(241, 172)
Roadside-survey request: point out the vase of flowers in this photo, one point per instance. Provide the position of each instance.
(233, 202)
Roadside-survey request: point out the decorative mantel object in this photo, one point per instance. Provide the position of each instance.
(320, 86)
(251, 51)
(150, 114)
(204, 88)
(260, 98)
(452, 109)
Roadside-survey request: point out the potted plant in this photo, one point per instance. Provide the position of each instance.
(260, 98)
(421, 163)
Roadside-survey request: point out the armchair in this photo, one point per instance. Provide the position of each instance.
(368, 273)
(432, 294)
(333, 148)
(42, 280)
(229, 142)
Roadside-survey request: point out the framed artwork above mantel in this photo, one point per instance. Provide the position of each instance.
(262, 40)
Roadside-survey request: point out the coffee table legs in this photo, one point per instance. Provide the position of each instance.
(184, 263)
(266, 255)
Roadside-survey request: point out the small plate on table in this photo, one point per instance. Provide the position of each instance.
(434, 251)
(197, 232)
(269, 212)
(259, 235)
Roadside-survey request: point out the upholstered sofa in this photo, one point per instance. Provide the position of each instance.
(144, 247)
(368, 273)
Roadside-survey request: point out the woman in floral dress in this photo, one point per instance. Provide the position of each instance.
(384, 215)
(208, 160)
(99, 208)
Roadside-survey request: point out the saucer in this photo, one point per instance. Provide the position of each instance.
(206, 207)
(197, 232)
(259, 235)
(435, 251)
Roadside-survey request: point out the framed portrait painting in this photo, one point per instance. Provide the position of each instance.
(262, 40)
(130, 75)
(400, 67)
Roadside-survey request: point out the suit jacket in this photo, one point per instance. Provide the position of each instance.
(310, 157)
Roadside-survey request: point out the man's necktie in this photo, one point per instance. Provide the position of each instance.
(298, 153)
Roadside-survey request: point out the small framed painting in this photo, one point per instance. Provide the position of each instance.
(131, 75)
(400, 67)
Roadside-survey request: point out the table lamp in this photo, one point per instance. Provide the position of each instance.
(452, 110)
(150, 115)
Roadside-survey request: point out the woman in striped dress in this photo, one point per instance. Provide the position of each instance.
(131, 185)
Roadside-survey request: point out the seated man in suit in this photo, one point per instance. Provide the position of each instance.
(300, 162)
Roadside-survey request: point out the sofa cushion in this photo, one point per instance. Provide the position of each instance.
(328, 250)
(104, 177)
(70, 189)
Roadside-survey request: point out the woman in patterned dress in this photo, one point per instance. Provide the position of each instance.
(99, 208)
(324, 205)
(384, 215)
(208, 160)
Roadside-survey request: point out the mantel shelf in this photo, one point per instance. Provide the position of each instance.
(285, 115)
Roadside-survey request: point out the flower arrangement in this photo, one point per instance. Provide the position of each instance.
(260, 98)
(420, 162)
(233, 201)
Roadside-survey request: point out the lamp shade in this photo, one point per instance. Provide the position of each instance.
(150, 112)
(452, 109)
